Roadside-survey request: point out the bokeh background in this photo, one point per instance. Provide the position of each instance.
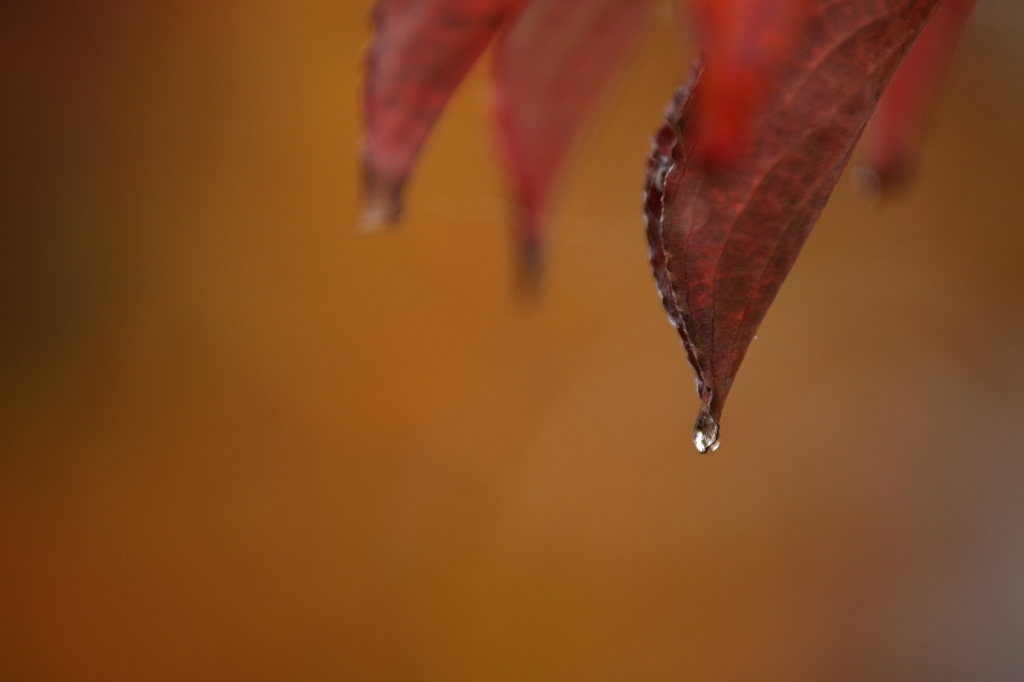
(241, 441)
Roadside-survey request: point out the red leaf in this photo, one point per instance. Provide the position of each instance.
(551, 64)
(745, 44)
(723, 240)
(893, 135)
(421, 52)
(550, 69)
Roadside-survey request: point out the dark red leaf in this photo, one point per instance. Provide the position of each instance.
(723, 239)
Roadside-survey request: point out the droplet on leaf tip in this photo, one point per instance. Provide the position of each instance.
(705, 433)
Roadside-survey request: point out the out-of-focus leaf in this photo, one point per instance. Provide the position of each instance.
(745, 45)
(421, 52)
(723, 240)
(893, 136)
(550, 69)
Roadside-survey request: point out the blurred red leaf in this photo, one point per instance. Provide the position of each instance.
(893, 135)
(420, 53)
(723, 240)
(552, 61)
(550, 69)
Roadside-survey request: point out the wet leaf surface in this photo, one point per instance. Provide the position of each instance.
(723, 239)
(751, 151)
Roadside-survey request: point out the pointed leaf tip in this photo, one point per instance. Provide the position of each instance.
(382, 202)
(724, 239)
(420, 54)
(531, 270)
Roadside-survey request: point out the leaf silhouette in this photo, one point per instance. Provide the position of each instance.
(723, 240)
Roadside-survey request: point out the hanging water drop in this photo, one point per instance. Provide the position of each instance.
(705, 433)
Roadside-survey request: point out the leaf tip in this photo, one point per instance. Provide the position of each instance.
(382, 201)
(531, 269)
(872, 185)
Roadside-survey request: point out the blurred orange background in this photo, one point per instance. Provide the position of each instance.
(241, 441)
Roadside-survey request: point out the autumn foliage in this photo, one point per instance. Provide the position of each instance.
(750, 152)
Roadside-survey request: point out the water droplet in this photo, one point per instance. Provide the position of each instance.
(705, 433)
(665, 165)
